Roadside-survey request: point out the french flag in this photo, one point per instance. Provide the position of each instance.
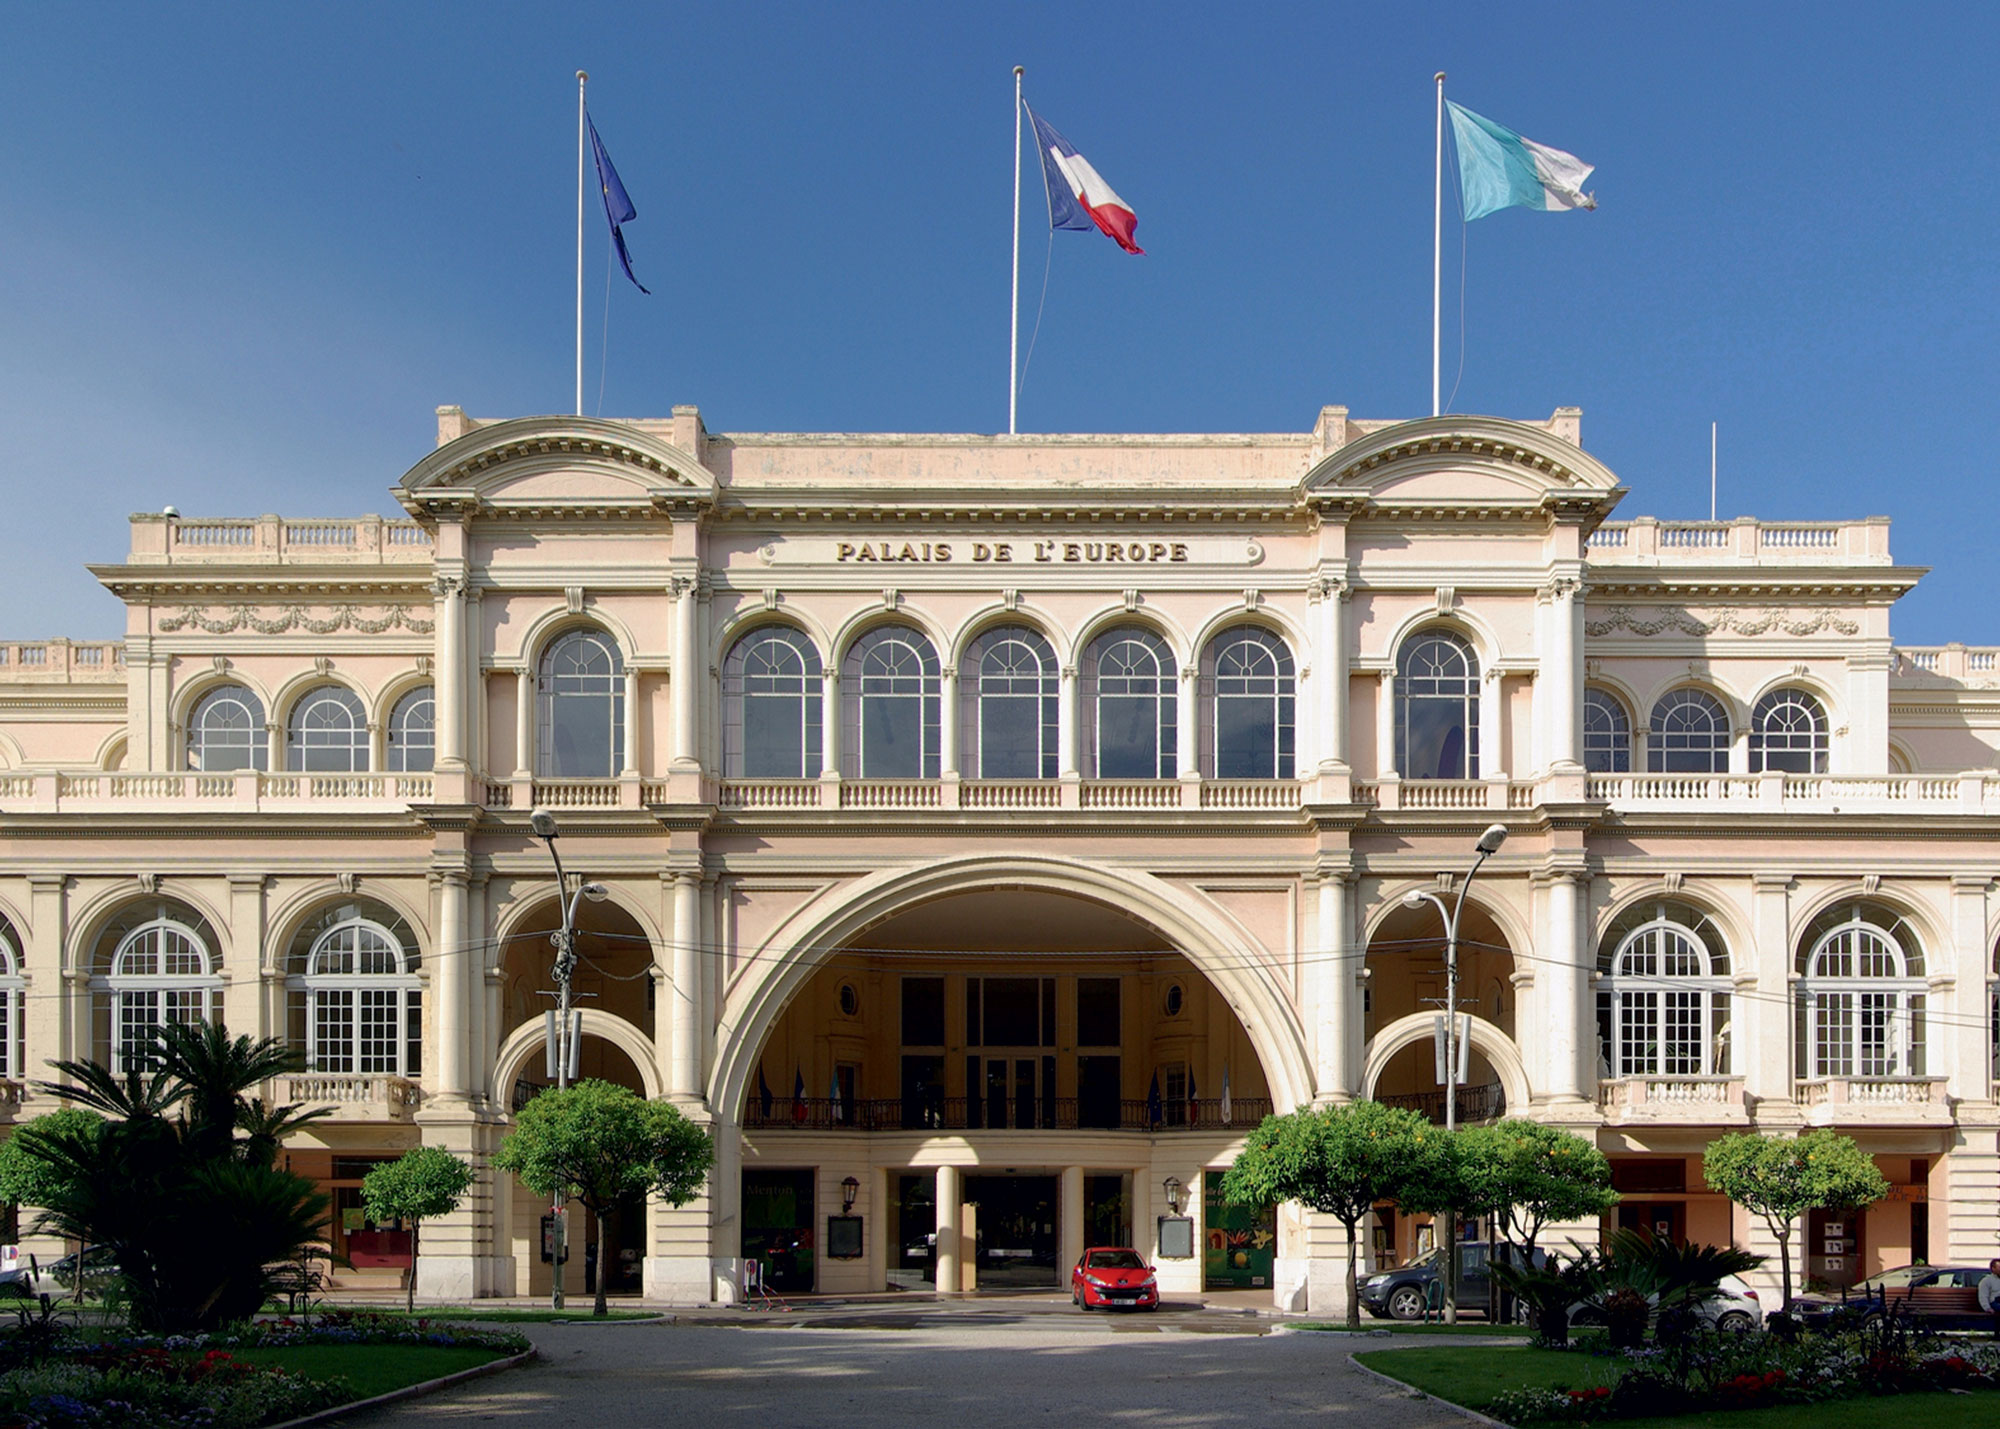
(1078, 196)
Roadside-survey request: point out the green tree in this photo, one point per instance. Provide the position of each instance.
(1524, 1175)
(1341, 1161)
(1780, 1178)
(425, 1181)
(600, 1144)
(26, 1177)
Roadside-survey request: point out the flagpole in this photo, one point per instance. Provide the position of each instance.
(1437, 255)
(581, 79)
(1014, 323)
(1711, 471)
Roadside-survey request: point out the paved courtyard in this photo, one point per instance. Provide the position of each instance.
(1002, 1364)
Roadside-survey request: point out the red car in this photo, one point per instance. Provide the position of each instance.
(1113, 1276)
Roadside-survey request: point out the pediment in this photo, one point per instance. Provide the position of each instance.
(578, 464)
(1463, 462)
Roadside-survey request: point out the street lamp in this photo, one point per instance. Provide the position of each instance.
(1172, 1187)
(1488, 845)
(563, 1039)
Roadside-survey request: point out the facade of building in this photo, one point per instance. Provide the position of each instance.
(995, 828)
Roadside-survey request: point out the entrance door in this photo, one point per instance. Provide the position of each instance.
(1019, 1091)
(1664, 1221)
(1017, 1230)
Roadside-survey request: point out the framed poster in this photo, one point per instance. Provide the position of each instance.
(843, 1237)
(1176, 1237)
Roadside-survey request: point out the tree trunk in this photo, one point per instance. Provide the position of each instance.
(410, 1301)
(1785, 1262)
(598, 1308)
(1353, 1283)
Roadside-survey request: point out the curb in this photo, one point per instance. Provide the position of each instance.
(411, 1391)
(1472, 1414)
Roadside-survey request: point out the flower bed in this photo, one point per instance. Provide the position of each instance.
(204, 1381)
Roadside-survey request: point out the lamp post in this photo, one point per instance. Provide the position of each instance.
(1488, 845)
(563, 1044)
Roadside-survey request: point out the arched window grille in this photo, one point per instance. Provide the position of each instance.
(1250, 696)
(581, 716)
(1437, 708)
(1128, 687)
(1011, 692)
(1607, 734)
(327, 733)
(156, 965)
(771, 706)
(1788, 734)
(226, 731)
(890, 700)
(1689, 735)
(1861, 996)
(412, 742)
(1663, 998)
(355, 1000)
(12, 986)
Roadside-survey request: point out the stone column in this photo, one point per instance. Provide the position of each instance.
(249, 970)
(524, 723)
(684, 1080)
(1187, 725)
(948, 1223)
(274, 747)
(482, 1025)
(1962, 1052)
(947, 723)
(630, 765)
(1763, 1028)
(1069, 1220)
(1069, 755)
(1567, 1019)
(1492, 728)
(685, 673)
(1330, 674)
(450, 982)
(1560, 702)
(45, 1036)
(1335, 969)
(829, 723)
(1385, 727)
(450, 592)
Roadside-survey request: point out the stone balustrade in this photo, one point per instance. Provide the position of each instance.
(1629, 1100)
(1921, 664)
(62, 662)
(353, 1096)
(1831, 1101)
(1743, 541)
(243, 791)
(265, 540)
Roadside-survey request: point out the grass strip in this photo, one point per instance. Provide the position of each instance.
(1397, 1327)
(372, 1369)
(514, 1315)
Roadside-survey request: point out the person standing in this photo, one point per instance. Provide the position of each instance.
(1989, 1294)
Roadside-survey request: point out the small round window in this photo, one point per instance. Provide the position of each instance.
(850, 1000)
(1176, 999)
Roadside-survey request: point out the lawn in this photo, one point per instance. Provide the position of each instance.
(1398, 1327)
(504, 1314)
(372, 1369)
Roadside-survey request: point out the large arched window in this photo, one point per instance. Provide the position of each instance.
(327, 733)
(771, 706)
(1437, 708)
(1861, 995)
(580, 695)
(1011, 692)
(412, 743)
(1128, 687)
(1788, 734)
(1250, 697)
(889, 695)
(12, 986)
(1689, 735)
(226, 731)
(356, 1004)
(1607, 734)
(1664, 995)
(155, 965)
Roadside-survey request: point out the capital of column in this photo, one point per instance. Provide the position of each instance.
(450, 587)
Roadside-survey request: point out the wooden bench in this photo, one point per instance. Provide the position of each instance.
(1940, 1302)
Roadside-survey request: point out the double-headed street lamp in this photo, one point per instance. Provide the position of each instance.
(1488, 845)
(563, 1039)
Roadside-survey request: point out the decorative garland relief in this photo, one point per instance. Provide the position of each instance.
(339, 617)
(1620, 617)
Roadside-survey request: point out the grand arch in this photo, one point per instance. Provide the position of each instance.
(784, 964)
(526, 1041)
(1489, 1041)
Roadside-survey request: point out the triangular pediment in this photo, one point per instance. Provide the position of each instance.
(556, 463)
(1460, 462)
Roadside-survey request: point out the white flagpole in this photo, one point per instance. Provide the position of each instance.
(581, 79)
(1711, 471)
(1437, 255)
(1014, 324)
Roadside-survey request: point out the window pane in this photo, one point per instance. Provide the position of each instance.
(1246, 738)
(923, 1012)
(1097, 1009)
(1128, 738)
(773, 739)
(1009, 737)
(892, 737)
(1013, 1011)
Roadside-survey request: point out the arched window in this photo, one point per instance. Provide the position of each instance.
(1012, 690)
(1690, 735)
(1788, 734)
(356, 1003)
(1607, 734)
(581, 713)
(1664, 995)
(1250, 697)
(889, 694)
(155, 965)
(1437, 708)
(328, 733)
(226, 731)
(1862, 995)
(11, 988)
(1128, 687)
(771, 706)
(412, 744)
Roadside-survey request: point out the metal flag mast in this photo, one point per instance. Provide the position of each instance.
(1437, 257)
(1014, 324)
(581, 79)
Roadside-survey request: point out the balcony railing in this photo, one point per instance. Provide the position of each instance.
(363, 540)
(1010, 1114)
(1482, 1103)
(1740, 541)
(1673, 1099)
(243, 791)
(1866, 1095)
(353, 1096)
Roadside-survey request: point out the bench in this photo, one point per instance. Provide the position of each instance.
(1928, 1302)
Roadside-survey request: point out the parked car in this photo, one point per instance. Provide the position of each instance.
(1736, 1308)
(1113, 1276)
(1403, 1293)
(58, 1277)
(1945, 1297)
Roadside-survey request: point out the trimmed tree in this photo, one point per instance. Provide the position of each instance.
(1780, 1178)
(600, 1144)
(426, 1181)
(1526, 1175)
(1341, 1161)
(29, 1178)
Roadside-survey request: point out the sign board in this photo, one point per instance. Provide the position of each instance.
(843, 1237)
(1176, 1237)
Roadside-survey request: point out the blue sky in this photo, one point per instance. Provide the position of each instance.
(245, 251)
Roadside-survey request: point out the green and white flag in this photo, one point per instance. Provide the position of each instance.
(1499, 169)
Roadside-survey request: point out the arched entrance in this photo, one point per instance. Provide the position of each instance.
(613, 977)
(1406, 990)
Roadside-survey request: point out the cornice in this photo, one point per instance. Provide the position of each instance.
(1076, 507)
(449, 481)
(272, 583)
(177, 825)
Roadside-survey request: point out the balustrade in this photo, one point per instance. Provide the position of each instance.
(1001, 1114)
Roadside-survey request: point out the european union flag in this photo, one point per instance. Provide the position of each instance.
(618, 208)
